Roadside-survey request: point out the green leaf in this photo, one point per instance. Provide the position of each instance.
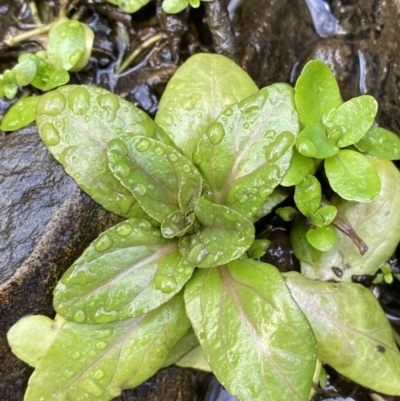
(20, 114)
(317, 93)
(10, 90)
(256, 340)
(278, 195)
(98, 361)
(323, 216)
(66, 44)
(377, 223)
(299, 167)
(194, 359)
(84, 59)
(307, 195)
(77, 123)
(381, 143)
(322, 239)
(174, 6)
(351, 120)
(352, 331)
(287, 213)
(25, 71)
(32, 336)
(129, 6)
(258, 248)
(352, 176)
(247, 150)
(127, 271)
(225, 236)
(154, 173)
(48, 79)
(178, 224)
(312, 142)
(183, 346)
(199, 91)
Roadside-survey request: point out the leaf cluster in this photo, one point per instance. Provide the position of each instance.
(177, 280)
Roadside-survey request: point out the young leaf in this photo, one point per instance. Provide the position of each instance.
(323, 216)
(32, 336)
(253, 335)
(20, 114)
(178, 224)
(351, 120)
(352, 176)
(188, 106)
(154, 173)
(312, 142)
(247, 150)
(25, 71)
(225, 236)
(299, 167)
(352, 331)
(84, 59)
(381, 143)
(10, 90)
(129, 6)
(76, 123)
(48, 79)
(127, 271)
(317, 93)
(344, 260)
(322, 239)
(307, 195)
(98, 361)
(66, 44)
(287, 213)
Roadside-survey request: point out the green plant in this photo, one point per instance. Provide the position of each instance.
(192, 184)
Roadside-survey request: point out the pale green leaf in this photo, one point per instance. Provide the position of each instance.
(307, 195)
(352, 176)
(352, 331)
(323, 216)
(225, 235)
(127, 271)
(299, 167)
(200, 90)
(312, 142)
(96, 362)
(322, 239)
(20, 114)
(25, 71)
(254, 336)
(247, 150)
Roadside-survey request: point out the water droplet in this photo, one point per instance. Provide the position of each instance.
(76, 355)
(186, 168)
(68, 374)
(228, 112)
(124, 229)
(75, 56)
(202, 335)
(52, 104)
(103, 316)
(276, 149)
(188, 271)
(230, 215)
(165, 283)
(50, 134)
(246, 125)
(118, 146)
(121, 169)
(243, 198)
(91, 387)
(101, 345)
(98, 374)
(102, 243)
(198, 253)
(79, 101)
(79, 316)
(110, 104)
(142, 145)
(264, 191)
(139, 190)
(272, 173)
(215, 133)
(63, 34)
(159, 151)
(190, 103)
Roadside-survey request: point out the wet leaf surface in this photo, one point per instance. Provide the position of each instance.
(307, 195)
(22, 113)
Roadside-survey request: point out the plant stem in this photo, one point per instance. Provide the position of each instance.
(28, 34)
(315, 381)
(138, 50)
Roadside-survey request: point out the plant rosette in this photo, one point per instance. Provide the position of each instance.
(176, 282)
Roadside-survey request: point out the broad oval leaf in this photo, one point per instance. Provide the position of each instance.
(24, 71)
(200, 90)
(127, 271)
(154, 173)
(20, 114)
(66, 44)
(352, 331)
(76, 123)
(32, 336)
(381, 143)
(247, 150)
(352, 176)
(322, 239)
(307, 195)
(377, 223)
(255, 338)
(317, 93)
(225, 235)
(349, 123)
(312, 142)
(299, 167)
(98, 361)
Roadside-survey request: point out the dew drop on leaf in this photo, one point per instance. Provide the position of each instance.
(68, 374)
(101, 345)
(52, 104)
(243, 198)
(228, 112)
(98, 374)
(79, 316)
(124, 229)
(109, 103)
(91, 387)
(76, 355)
(173, 157)
(75, 56)
(215, 133)
(246, 125)
(79, 101)
(139, 190)
(50, 134)
(186, 168)
(103, 316)
(159, 151)
(264, 191)
(142, 145)
(165, 284)
(118, 146)
(198, 253)
(102, 243)
(122, 169)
